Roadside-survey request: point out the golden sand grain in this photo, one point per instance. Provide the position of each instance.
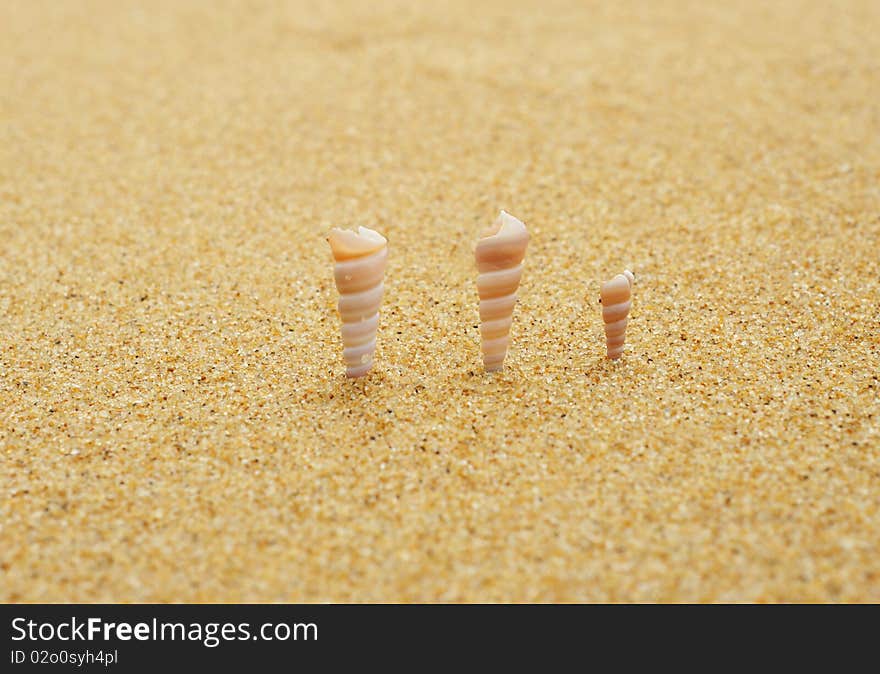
(174, 420)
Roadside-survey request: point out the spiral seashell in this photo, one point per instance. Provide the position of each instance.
(616, 297)
(360, 271)
(500, 252)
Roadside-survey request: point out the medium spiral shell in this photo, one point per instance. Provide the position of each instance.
(360, 271)
(499, 254)
(616, 301)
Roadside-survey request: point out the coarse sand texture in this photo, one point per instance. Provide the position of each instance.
(175, 419)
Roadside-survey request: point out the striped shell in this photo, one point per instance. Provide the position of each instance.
(499, 254)
(360, 271)
(616, 301)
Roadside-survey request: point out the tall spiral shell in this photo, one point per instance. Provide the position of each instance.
(499, 254)
(616, 301)
(360, 272)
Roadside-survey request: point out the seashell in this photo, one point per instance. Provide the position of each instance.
(616, 300)
(500, 252)
(360, 271)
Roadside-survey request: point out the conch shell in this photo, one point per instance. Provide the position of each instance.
(360, 258)
(500, 252)
(616, 297)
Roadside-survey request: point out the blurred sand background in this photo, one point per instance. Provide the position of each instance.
(174, 421)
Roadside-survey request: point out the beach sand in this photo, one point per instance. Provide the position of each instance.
(175, 424)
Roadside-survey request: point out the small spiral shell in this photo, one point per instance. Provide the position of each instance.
(499, 254)
(616, 301)
(360, 271)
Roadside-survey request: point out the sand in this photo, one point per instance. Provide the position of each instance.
(174, 420)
